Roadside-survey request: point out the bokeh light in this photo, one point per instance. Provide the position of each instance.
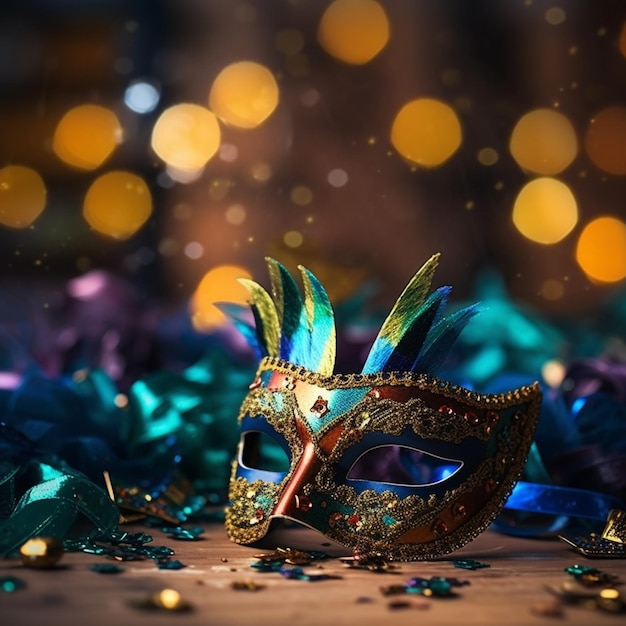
(553, 372)
(601, 249)
(353, 31)
(217, 285)
(555, 16)
(552, 289)
(261, 172)
(337, 177)
(186, 136)
(426, 132)
(141, 96)
(605, 140)
(86, 136)
(244, 94)
(545, 210)
(236, 214)
(544, 142)
(487, 156)
(22, 196)
(293, 239)
(194, 250)
(301, 195)
(117, 204)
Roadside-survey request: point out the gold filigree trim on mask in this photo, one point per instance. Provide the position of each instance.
(409, 379)
(251, 504)
(414, 528)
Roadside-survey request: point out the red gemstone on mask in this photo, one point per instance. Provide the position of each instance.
(303, 504)
(444, 408)
(439, 527)
(320, 407)
(471, 418)
(353, 520)
(259, 513)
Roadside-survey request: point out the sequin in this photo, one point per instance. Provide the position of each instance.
(9, 584)
(590, 576)
(183, 534)
(469, 564)
(106, 568)
(173, 564)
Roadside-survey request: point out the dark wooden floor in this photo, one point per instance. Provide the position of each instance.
(513, 590)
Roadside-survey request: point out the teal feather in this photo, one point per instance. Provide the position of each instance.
(318, 318)
(415, 336)
(402, 356)
(289, 306)
(401, 317)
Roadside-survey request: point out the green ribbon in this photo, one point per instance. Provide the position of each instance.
(58, 504)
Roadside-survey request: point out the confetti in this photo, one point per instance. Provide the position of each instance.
(469, 564)
(9, 584)
(106, 568)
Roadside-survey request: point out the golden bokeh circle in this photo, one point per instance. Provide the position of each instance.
(426, 132)
(353, 31)
(117, 204)
(601, 249)
(545, 210)
(22, 196)
(86, 136)
(543, 142)
(244, 94)
(219, 284)
(186, 136)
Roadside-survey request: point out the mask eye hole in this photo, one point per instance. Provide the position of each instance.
(400, 465)
(262, 452)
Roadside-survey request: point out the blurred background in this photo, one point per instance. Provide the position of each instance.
(173, 144)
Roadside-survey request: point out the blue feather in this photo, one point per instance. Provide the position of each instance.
(403, 355)
(441, 338)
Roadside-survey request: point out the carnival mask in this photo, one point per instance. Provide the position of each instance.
(392, 461)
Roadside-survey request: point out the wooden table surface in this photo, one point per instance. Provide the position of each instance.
(509, 592)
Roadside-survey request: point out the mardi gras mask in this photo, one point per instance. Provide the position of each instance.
(392, 461)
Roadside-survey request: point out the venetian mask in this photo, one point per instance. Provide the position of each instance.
(392, 461)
